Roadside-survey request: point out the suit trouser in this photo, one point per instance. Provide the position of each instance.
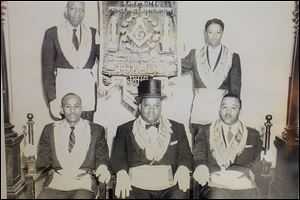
(170, 193)
(57, 194)
(207, 192)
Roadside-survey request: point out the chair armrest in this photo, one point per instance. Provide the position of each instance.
(36, 182)
(106, 191)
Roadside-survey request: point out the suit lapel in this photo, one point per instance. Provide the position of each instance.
(218, 59)
(53, 150)
(136, 146)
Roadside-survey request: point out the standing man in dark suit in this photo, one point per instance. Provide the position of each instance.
(151, 155)
(69, 53)
(76, 149)
(227, 154)
(215, 70)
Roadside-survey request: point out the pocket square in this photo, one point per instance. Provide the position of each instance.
(248, 146)
(174, 142)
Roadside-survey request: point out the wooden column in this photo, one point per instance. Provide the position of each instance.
(286, 181)
(15, 183)
(292, 128)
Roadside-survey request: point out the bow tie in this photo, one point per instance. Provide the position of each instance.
(156, 125)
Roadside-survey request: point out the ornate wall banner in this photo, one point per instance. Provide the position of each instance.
(139, 41)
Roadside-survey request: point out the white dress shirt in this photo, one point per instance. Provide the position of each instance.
(213, 54)
(234, 128)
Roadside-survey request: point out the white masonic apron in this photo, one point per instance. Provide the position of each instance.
(207, 100)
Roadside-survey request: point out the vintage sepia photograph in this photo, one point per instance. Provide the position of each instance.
(149, 100)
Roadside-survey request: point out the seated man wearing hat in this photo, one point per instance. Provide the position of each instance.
(151, 155)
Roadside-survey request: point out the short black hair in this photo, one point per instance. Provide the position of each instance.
(214, 21)
(69, 94)
(233, 96)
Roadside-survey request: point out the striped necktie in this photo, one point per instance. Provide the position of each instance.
(71, 139)
(75, 40)
(229, 134)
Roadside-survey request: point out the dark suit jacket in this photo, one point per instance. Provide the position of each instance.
(126, 152)
(232, 83)
(53, 57)
(96, 155)
(250, 157)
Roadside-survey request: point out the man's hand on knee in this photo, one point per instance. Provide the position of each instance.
(182, 176)
(201, 174)
(103, 174)
(123, 185)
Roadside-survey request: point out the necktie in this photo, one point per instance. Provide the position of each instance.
(71, 139)
(229, 134)
(75, 40)
(156, 124)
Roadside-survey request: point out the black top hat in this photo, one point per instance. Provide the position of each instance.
(149, 88)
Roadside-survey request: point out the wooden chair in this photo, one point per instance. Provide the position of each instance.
(36, 182)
